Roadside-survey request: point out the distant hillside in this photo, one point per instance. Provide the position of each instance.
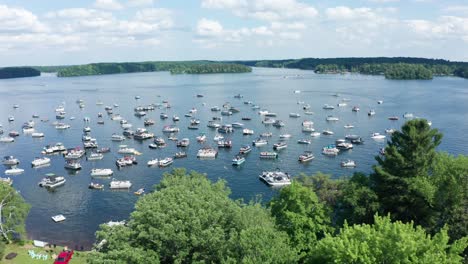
(18, 72)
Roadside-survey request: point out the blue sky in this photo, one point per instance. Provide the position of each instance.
(56, 32)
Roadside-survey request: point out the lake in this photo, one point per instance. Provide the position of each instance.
(442, 101)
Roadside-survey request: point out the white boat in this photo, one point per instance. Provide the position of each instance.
(72, 165)
(170, 129)
(237, 125)
(294, 115)
(123, 149)
(140, 191)
(75, 153)
(355, 109)
(390, 130)
(308, 113)
(95, 156)
(37, 135)
(52, 181)
(315, 134)
(268, 121)
(371, 112)
(304, 141)
(280, 145)
(308, 129)
(58, 218)
(40, 161)
(330, 150)
(344, 145)
(28, 130)
(259, 142)
(342, 104)
(348, 126)
(114, 184)
(6, 139)
(117, 137)
(380, 102)
(50, 149)
(62, 126)
(10, 161)
(377, 136)
(14, 171)
(165, 162)
(11, 118)
(332, 118)
(348, 164)
(201, 138)
(307, 123)
(285, 136)
(60, 108)
(328, 107)
(101, 172)
(247, 131)
(327, 132)
(275, 178)
(306, 156)
(408, 115)
(238, 160)
(153, 162)
(207, 153)
(268, 155)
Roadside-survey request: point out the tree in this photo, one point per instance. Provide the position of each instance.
(13, 213)
(387, 242)
(298, 211)
(188, 219)
(401, 179)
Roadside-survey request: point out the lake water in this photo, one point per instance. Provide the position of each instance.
(442, 101)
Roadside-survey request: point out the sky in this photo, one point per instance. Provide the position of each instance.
(60, 32)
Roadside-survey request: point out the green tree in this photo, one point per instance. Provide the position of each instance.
(401, 179)
(188, 219)
(299, 212)
(13, 213)
(387, 242)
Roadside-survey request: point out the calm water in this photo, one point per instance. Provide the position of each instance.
(442, 100)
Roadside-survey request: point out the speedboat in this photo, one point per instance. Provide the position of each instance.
(377, 136)
(278, 123)
(180, 154)
(357, 141)
(123, 149)
(246, 118)
(342, 104)
(237, 125)
(37, 162)
(285, 136)
(72, 165)
(380, 102)
(86, 129)
(142, 134)
(247, 131)
(238, 160)
(116, 137)
(165, 162)
(294, 115)
(307, 123)
(90, 144)
(101, 172)
(356, 109)
(207, 153)
(114, 184)
(327, 132)
(163, 116)
(259, 142)
(52, 181)
(280, 145)
(37, 135)
(304, 141)
(152, 162)
(13, 133)
(306, 156)
(371, 112)
(7, 139)
(140, 191)
(390, 130)
(96, 186)
(95, 156)
(225, 129)
(213, 124)
(50, 149)
(103, 150)
(344, 145)
(408, 115)
(10, 161)
(62, 126)
(224, 144)
(275, 178)
(308, 113)
(348, 126)
(348, 164)
(245, 149)
(330, 150)
(308, 129)
(170, 129)
(266, 134)
(14, 171)
(215, 109)
(328, 107)
(315, 134)
(268, 155)
(11, 118)
(393, 118)
(268, 121)
(185, 142)
(201, 138)
(332, 118)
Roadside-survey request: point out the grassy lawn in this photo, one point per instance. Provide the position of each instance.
(24, 258)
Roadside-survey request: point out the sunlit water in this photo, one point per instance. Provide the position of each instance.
(442, 101)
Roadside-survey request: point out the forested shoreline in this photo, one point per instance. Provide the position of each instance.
(18, 72)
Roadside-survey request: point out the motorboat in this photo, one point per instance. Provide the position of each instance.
(201, 138)
(28, 130)
(304, 141)
(75, 153)
(348, 126)
(225, 129)
(307, 123)
(50, 149)
(95, 156)
(140, 191)
(62, 126)
(116, 117)
(382, 151)
(37, 162)
(328, 107)
(263, 112)
(315, 134)
(11, 118)
(153, 146)
(114, 184)
(330, 150)
(126, 161)
(342, 104)
(90, 144)
(348, 164)
(332, 118)
(142, 134)
(246, 118)
(226, 113)
(306, 156)
(175, 118)
(278, 123)
(140, 114)
(14, 171)
(101, 172)
(408, 115)
(159, 141)
(259, 142)
(128, 133)
(275, 178)
(268, 155)
(268, 121)
(285, 136)
(238, 96)
(124, 149)
(280, 146)
(294, 115)
(215, 109)
(163, 116)
(308, 129)
(308, 113)
(380, 102)
(306, 107)
(390, 130)
(351, 137)
(192, 127)
(165, 162)
(377, 136)
(207, 153)
(153, 162)
(270, 114)
(13, 133)
(170, 129)
(237, 125)
(327, 132)
(185, 142)
(357, 141)
(266, 134)
(247, 131)
(344, 145)
(213, 124)
(245, 149)
(7, 139)
(180, 154)
(371, 112)
(52, 181)
(225, 144)
(103, 150)
(10, 161)
(96, 186)
(355, 109)
(393, 118)
(37, 135)
(148, 122)
(117, 137)
(58, 218)
(60, 115)
(86, 129)
(72, 165)
(238, 160)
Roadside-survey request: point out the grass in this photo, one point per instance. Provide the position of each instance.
(23, 257)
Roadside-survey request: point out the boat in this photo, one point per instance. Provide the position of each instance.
(180, 154)
(153, 146)
(268, 155)
(351, 137)
(304, 141)
(192, 127)
(10, 161)
(52, 181)
(152, 162)
(62, 126)
(327, 132)
(382, 151)
(14, 171)
(170, 129)
(237, 125)
(246, 118)
(307, 123)
(126, 161)
(308, 113)
(306, 156)
(224, 144)
(103, 150)
(278, 123)
(275, 178)
(142, 134)
(213, 124)
(140, 114)
(163, 116)
(306, 107)
(114, 184)
(377, 136)
(344, 145)
(72, 165)
(226, 113)
(390, 130)
(393, 118)
(259, 142)
(201, 138)
(37, 135)
(332, 118)
(128, 132)
(357, 141)
(7, 139)
(342, 104)
(7, 181)
(116, 137)
(58, 218)
(245, 149)
(207, 153)
(101, 172)
(285, 136)
(268, 121)
(270, 114)
(408, 115)
(96, 186)
(13, 133)
(371, 112)
(315, 134)
(11, 118)
(86, 129)
(165, 162)
(280, 145)
(355, 109)
(90, 144)
(185, 142)
(308, 129)
(95, 156)
(348, 126)
(140, 191)
(294, 115)
(215, 109)
(238, 160)
(348, 164)
(328, 107)
(124, 149)
(247, 131)
(28, 130)
(380, 102)
(148, 122)
(225, 129)
(330, 150)
(37, 162)
(238, 96)
(50, 149)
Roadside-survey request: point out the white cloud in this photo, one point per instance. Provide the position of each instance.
(108, 4)
(78, 13)
(209, 28)
(384, 1)
(160, 16)
(347, 13)
(19, 20)
(456, 9)
(139, 3)
(446, 27)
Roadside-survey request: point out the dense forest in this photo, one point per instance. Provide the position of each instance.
(189, 67)
(18, 72)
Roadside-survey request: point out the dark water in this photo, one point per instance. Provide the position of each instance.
(442, 100)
